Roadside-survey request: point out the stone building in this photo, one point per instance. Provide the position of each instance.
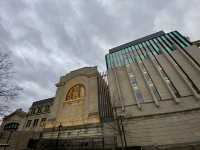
(75, 115)
(14, 121)
(38, 115)
(155, 89)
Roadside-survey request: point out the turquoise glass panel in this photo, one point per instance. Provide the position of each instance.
(183, 39)
(166, 48)
(155, 46)
(108, 61)
(177, 40)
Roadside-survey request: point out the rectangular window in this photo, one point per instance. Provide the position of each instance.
(43, 122)
(35, 122)
(138, 95)
(28, 123)
(39, 110)
(47, 108)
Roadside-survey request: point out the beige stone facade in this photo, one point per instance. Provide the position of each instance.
(73, 113)
(83, 110)
(38, 115)
(15, 120)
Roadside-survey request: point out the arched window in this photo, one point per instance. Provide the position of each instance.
(76, 92)
(11, 126)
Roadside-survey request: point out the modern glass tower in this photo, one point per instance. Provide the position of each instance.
(154, 83)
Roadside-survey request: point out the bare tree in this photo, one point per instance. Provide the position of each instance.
(8, 90)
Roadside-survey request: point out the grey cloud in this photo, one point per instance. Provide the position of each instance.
(49, 38)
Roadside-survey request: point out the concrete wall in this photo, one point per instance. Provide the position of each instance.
(70, 133)
(172, 119)
(168, 129)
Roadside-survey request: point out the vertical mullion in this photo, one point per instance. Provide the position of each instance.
(177, 41)
(154, 45)
(180, 39)
(187, 42)
(118, 58)
(108, 61)
(169, 39)
(167, 43)
(131, 53)
(121, 58)
(152, 48)
(115, 59)
(124, 57)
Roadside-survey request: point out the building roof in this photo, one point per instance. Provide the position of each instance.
(44, 101)
(85, 71)
(18, 112)
(140, 40)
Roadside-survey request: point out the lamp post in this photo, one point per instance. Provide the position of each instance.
(59, 129)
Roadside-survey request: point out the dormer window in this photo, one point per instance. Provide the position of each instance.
(76, 92)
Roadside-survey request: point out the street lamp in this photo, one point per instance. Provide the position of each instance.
(59, 129)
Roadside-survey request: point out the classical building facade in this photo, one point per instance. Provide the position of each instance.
(155, 89)
(75, 115)
(38, 115)
(148, 99)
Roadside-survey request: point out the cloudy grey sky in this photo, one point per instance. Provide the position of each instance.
(48, 38)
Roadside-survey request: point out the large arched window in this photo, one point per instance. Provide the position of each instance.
(11, 126)
(76, 92)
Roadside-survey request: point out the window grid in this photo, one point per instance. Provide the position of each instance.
(35, 122)
(121, 58)
(179, 40)
(28, 124)
(155, 46)
(176, 41)
(184, 40)
(125, 56)
(166, 43)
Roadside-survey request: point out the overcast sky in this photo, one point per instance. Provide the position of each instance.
(48, 38)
